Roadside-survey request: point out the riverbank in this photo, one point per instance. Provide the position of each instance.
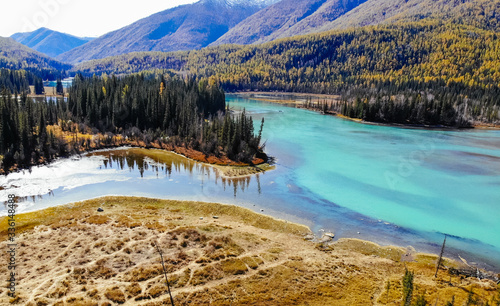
(300, 100)
(297, 99)
(214, 254)
(82, 143)
(48, 92)
(162, 156)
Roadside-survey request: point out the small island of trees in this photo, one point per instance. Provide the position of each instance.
(148, 110)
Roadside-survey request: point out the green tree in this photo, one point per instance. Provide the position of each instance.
(420, 301)
(407, 288)
(59, 87)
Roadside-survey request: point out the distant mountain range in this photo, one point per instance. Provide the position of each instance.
(185, 27)
(216, 22)
(50, 42)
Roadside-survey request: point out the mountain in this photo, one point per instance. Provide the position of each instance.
(298, 17)
(286, 18)
(50, 42)
(478, 13)
(185, 27)
(14, 55)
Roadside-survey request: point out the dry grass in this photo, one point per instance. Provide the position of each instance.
(115, 295)
(73, 255)
(234, 267)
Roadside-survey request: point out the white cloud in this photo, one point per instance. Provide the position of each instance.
(76, 17)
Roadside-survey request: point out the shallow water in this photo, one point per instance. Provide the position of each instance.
(390, 185)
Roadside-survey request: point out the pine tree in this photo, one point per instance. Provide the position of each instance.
(407, 288)
(59, 87)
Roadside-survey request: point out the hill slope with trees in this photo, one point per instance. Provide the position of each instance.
(289, 18)
(414, 63)
(15, 56)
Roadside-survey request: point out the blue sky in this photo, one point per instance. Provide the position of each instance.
(77, 17)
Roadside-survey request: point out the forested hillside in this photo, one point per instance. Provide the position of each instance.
(419, 61)
(15, 56)
(146, 110)
(17, 81)
(299, 17)
(482, 14)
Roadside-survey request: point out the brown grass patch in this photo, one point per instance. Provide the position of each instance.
(115, 295)
(144, 273)
(157, 291)
(97, 219)
(370, 248)
(252, 262)
(133, 289)
(233, 267)
(205, 274)
(71, 252)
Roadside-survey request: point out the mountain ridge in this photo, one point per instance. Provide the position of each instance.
(280, 20)
(185, 27)
(49, 42)
(289, 18)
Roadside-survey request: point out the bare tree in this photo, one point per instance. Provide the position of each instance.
(165, 273)
(440, 257)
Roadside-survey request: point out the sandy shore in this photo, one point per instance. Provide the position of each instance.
(214, 255)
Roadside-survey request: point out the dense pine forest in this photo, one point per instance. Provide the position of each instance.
(449, 72)
(148, 110)
(16, 81)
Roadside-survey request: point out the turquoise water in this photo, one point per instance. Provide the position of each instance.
(386, 184)
(66, 83)
(422, 180)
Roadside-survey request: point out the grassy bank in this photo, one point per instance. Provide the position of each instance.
(215, 254)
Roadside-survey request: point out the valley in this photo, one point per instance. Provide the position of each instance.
(116, 148)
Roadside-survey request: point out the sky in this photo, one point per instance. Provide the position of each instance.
(83, 18)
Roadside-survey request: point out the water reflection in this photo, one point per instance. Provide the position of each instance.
(160, 162)
(54, 99)
(111, 171)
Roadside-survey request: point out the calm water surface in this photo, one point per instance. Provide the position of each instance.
(386, 184)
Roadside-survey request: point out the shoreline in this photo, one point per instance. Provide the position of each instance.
(210, 248)
(227, 171)
(335, 98)
(326, 238)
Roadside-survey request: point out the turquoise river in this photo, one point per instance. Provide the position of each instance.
(386, 184)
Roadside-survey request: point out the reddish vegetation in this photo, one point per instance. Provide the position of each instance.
(118, 141)
(224, 160)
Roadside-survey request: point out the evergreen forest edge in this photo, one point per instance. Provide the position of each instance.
(145, 109)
